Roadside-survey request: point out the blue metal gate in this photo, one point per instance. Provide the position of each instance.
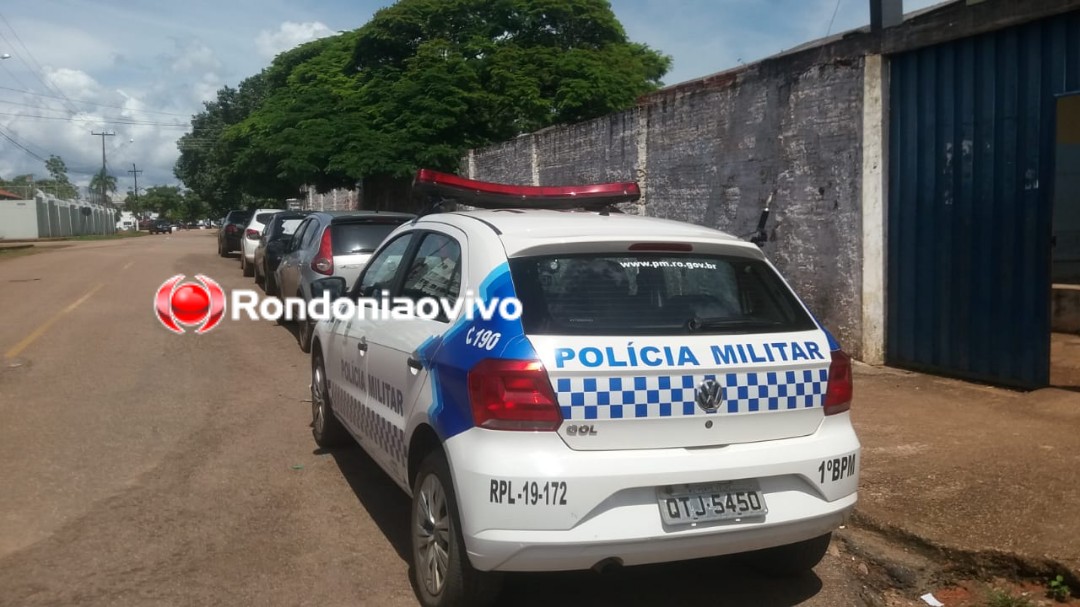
(970, 196)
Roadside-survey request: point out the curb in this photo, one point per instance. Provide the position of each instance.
(9, 247)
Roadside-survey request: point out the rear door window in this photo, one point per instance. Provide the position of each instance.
(287, 227)
(360, 237)
(605, 294)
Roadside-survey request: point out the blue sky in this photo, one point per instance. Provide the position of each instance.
(80, 65)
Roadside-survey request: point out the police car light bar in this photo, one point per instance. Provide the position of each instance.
(487, 195)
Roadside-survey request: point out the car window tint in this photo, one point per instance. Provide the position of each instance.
(264, 218)
(309, 233)
(436, 269)
(381, 270)
(354, 238)
(287, 227)
(606, 294)
(301, 231)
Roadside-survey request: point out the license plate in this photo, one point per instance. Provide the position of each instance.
(704, 502)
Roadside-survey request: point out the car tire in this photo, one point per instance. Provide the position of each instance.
(270, 287)
(441, 572)
(304, 334)
(791, 560)
(259, 280)
(221, 250)
(326, 429)
(245, 266)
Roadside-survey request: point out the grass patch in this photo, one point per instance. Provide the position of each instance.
(13, 252)
(1001, 598)
(116, 236)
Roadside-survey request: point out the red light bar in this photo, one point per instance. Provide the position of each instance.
(487, 195)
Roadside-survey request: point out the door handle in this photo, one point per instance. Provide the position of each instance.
(415, 363)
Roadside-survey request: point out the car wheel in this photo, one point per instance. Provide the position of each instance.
(259, 280)
(791, 560)
(221, 250)
(307, 328)
(441, 571)
(325, 427)
(245, 266)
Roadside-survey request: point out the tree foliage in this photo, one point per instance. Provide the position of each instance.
(417, 86)
(58, 171)
(59, 184)
(99, 178)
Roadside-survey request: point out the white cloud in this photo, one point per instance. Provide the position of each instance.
(289, 35)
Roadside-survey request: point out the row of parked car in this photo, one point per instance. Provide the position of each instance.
(286, 251)
(662, 393)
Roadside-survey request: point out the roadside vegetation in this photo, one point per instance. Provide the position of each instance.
(417, 86)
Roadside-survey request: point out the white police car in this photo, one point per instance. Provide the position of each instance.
(664, 394)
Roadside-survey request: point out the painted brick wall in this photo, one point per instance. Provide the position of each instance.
(712, 152)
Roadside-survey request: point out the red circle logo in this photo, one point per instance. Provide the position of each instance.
(189, 304)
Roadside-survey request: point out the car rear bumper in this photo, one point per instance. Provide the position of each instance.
(611, 508)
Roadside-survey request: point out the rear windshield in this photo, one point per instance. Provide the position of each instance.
(603, 294)
(239, 218)
(350, 238)
(264, 218)
(286, 227)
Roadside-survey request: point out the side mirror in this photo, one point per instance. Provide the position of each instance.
(333, 285)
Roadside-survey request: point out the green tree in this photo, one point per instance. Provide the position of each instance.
(206, 165)
(192, 207)
(165, 200)
(418, 85)
(58, 171)
(98, 180)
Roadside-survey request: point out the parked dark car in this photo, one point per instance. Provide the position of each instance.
(232, 230)
(276, 237)
(161, 226)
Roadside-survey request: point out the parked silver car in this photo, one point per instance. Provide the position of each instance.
(333, 243)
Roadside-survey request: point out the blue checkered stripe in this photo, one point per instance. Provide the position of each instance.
(372, 426)
(673, 395)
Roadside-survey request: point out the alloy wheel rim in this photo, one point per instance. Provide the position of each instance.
(431, 534)
(318, 407)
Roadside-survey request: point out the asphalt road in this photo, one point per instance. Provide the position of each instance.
(139, 467)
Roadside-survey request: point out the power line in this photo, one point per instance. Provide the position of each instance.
(98, 120)
(39, 71)
(105, 105)
(19, 146)
(835, 9)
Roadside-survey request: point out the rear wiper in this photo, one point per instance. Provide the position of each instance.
(361, 250)
(697, 323)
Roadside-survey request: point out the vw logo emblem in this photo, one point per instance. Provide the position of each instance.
(709, 395)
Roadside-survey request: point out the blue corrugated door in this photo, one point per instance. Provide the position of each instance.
(970, 196)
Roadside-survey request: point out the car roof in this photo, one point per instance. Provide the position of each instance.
(365, 213)
(537, 224)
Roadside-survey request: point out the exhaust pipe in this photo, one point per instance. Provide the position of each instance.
(608, 565)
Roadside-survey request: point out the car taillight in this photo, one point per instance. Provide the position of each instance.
(324, 259)
(252, 234)
(838, 393)
(513, 395)
(231, 229)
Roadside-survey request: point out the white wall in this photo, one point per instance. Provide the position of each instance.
(18, 219)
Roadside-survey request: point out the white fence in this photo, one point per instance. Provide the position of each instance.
(47, 216)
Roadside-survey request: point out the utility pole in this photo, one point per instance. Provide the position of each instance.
(135, 171)
(103, 135)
